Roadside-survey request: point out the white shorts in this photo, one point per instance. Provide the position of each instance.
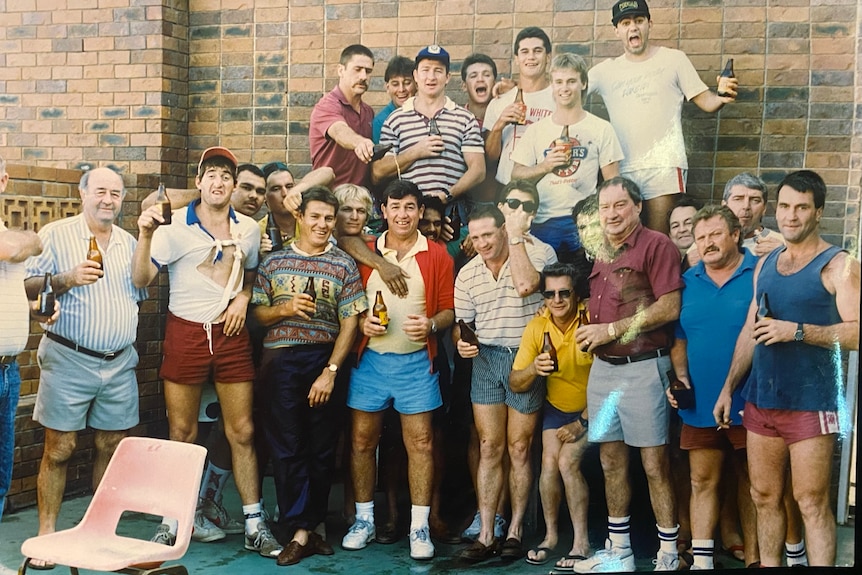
(655, 182)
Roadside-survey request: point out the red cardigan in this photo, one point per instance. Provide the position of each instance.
(437, 274)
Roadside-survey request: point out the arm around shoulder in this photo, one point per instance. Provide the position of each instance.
(18, 245)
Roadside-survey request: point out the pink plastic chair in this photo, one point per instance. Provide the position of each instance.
(144, 475)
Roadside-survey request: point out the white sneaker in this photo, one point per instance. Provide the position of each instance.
(263, 541)
(421, 547)
(205, 530)
(609, 560)
(472, 530)
(665, 561)
(361, 533)
(219, 516)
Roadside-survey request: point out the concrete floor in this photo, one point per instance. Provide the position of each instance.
(229, 557)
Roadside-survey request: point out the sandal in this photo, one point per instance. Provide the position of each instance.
(565, 564)
(735, 551)
(541, 555)
(40, 565)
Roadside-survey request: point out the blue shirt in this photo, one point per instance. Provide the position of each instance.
(377, 122)
(710, 320)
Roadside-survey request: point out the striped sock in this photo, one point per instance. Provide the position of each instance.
(667, 538)
(619, 531)
(796, 554)
(702, 550)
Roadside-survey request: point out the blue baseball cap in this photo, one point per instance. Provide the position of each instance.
(433, 52)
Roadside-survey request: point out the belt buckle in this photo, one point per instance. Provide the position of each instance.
(110, 356)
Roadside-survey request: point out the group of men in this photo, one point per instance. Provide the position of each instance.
(325, 344)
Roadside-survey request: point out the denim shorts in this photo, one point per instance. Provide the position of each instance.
(402, 380)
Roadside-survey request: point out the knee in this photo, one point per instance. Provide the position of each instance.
(420, 443)
(364, 443)
(108, 442)
(490, 449)
(703, 482)
(765, 496)
(60, 450)
(657, 468)
(519, 452)
(240, 432)
(813, 503)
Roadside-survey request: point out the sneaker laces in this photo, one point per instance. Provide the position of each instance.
(420, 534)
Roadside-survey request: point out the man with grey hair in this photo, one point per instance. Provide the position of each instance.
(87, 359)
(563, 154)
(746, 196)
(15, 247)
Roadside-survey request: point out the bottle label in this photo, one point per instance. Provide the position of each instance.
(383, 316)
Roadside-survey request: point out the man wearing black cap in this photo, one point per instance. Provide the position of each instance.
(644, 90)
(436, 143)
(212, 254)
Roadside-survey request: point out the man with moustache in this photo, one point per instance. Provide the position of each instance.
(794, 390)
(339, 133)
(87, 360)
(307, 340)
(643, 91)
(634, 297)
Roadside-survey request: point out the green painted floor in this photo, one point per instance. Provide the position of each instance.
(228, 556)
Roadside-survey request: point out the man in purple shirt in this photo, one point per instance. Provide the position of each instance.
(340, 129)
(634, 297)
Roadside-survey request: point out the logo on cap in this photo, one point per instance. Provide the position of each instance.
(434, 49)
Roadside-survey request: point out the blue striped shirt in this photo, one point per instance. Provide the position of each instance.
(405, 128)
(102, 316)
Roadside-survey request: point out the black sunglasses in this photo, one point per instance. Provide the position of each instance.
(529, 206)
(563, 293)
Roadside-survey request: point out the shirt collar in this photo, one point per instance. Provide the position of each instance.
(421, 245)
(295, 248)
(410, 104)
(749, 262)
(192, 216)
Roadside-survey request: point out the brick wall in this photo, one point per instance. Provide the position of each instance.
(145, 85)
(35, 196)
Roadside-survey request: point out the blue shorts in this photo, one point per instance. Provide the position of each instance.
(560, 233)
(553, 418)
(403, 381)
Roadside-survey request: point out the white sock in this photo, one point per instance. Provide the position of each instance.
(253, 516)
(795, 553)
(419, 516)
(173, 525)
(365, 511)
(213, 482)
(667, 537)
(619, 531)
(702, 551)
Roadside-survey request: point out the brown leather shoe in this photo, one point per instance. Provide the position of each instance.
(317, 545)
(477, 552)
(293, 553)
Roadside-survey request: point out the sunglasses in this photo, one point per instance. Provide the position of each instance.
(563, 293)
(529, 206)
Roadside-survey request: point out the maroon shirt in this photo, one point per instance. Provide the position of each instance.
(646, 269)
(334, 107)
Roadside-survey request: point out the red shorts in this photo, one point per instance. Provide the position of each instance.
(186, 356)
(792, 426)
(711, 438)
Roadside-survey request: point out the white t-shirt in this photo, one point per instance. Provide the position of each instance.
(184, 246)
(14, 308)
(594, 145)
(644, 102)
(539, 105)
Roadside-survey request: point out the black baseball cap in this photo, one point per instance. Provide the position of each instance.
(628, 8)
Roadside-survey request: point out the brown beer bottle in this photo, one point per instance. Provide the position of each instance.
(164, 204)
(46, 298)
(433, 128)
(467, 335)
(548, 347)
(519, 99)
(273, 232)
(763, 310)
(379, 310)
(684, 396)
(379, 150)
(726, 73)
(309, 289)
(93, 253)
(583, 317)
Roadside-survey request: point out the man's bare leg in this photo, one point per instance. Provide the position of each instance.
(811, 461)
(657, 211)
(520, 429)
(491, 427)
(577, 493)
(51, 482)
(767, 459)
(419, 442)
(106, 444)
(236, 400)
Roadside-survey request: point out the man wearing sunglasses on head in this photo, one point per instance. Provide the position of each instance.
(497, 293)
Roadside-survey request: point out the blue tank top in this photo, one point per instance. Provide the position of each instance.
(795, 375)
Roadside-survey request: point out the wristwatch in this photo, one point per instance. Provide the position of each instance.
(515, 241)
(433, 326)
(612, 331)
(585, 423)
(800, 334)
(332, 367)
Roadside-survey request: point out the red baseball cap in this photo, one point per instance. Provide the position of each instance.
(217, 151)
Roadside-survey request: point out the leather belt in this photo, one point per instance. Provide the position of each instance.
(111, 355)
(624, 359)
(7, 359)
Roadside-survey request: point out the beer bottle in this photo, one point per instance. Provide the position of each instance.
(379, 150)
(564, 136)
(683, 395)
(763, 310)
(467, 335)
(164, 204)
(548, 347)
(455, 222)
(46, 298)
(583, 317)
(379, 310)
(309, 289)
(519, 99)
(433, 128)
(726, 73)
(93, 253)
(273, 232)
